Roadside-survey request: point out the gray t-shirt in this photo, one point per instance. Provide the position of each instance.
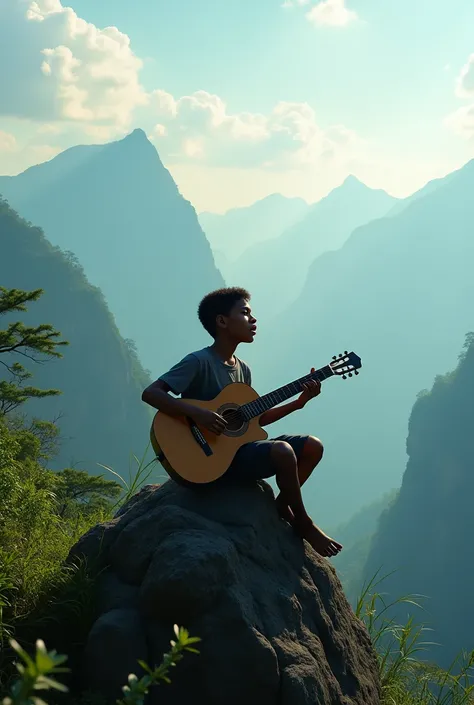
(203, 374)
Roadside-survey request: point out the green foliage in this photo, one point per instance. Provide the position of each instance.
(79, 492)
(137, 478)
(36, 673)
(100, 412)
(37, 343)
(407, 679)
(42, 514)
(135, 691)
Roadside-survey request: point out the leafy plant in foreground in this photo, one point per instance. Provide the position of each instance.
(37, 673)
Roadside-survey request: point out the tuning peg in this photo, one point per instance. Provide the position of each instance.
(340, 354)
(345, 352)
(334, 357)
(344, 377)
(350, 374)
(356, 372)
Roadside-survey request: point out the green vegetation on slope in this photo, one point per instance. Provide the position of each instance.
(99, 412)
(426, 535)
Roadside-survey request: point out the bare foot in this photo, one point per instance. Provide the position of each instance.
(284, 510)
(321, 542)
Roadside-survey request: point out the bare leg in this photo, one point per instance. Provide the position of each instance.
(287, 480)
(310, 457)
(290, 476)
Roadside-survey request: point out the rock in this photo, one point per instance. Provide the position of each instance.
(116, 642)
(275, 625)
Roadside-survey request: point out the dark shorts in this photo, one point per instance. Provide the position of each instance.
(253, 461)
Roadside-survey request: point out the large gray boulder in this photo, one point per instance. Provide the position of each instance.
(275, 625)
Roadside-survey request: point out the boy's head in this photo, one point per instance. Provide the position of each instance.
(226, 313)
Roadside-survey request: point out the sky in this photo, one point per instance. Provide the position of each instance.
(243, 98)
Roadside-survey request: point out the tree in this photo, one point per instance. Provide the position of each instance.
(36, 343)
(79, 490)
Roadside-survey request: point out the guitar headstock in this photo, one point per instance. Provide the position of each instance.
(346, 364)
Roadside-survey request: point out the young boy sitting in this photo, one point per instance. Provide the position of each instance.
(227, 317)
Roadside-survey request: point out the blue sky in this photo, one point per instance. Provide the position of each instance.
(243, 98)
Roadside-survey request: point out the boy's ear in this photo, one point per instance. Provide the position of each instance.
(220, 320)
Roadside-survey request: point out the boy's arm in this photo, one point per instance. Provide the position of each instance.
(156, 395)
(177, 380)
(279, 412)
(311, 389)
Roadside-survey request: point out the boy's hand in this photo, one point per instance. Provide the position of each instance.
(210, 420)
(311, 389)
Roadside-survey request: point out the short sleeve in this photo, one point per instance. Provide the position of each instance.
(247, 373)
(180, 376)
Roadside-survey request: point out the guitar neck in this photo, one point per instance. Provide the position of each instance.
(268, 401)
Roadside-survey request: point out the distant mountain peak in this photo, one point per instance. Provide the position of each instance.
(137, 137)
(353, 181)
(137, 133)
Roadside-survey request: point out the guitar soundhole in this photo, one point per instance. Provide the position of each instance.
(236, 424)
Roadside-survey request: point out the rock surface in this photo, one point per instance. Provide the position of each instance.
(276, 628)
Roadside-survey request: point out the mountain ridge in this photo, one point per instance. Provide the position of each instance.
(119, 210)
(388, 294)
(285, 260)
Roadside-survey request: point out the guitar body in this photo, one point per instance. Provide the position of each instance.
(183, 456)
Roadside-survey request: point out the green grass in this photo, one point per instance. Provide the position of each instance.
(406, 678)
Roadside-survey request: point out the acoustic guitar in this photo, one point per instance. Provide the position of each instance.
(190, 454)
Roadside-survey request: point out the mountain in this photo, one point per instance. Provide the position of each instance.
(426, 534)
(275, 270)
(356, 535)
(399, 293)
(101, 416)
(428, 188)
(233, 232)
(118, 209)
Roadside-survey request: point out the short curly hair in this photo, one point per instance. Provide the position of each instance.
(219, 302)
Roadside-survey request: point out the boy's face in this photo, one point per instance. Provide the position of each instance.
(240, 324)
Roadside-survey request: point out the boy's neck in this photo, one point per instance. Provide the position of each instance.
(225, 349)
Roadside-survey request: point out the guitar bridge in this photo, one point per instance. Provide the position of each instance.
(199, 438)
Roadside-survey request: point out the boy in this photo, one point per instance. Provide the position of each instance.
(227, 317)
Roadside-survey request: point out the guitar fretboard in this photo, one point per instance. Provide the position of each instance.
(268, 401)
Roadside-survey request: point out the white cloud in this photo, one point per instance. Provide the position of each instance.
(465, 80)
(462, 120)
(62, 67)
(44, 152)
(200, 127)
(193, 148)
(48, 128)
(332, 13)
(159, 130)
(82, 83)
(7, 142)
